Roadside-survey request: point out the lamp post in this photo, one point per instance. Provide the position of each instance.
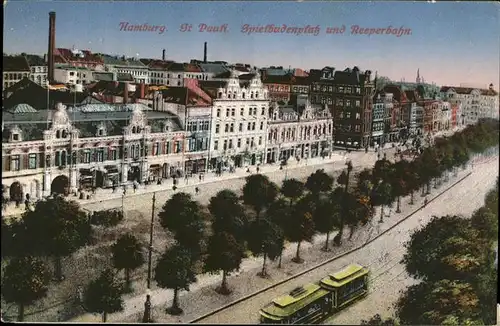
(151, 240)
(147, 309)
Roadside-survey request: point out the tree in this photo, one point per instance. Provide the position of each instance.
(412, 180)
(266, 239)
(319, 182)
(345, 204)
(382, 170)
(446, 248)
(183, 216)
(24, 281)
(104, 295)
(378, 321)
(292, 189)
(301, 224)
(127, 255)
(382, 196)
(228, 215)
(486, 222)
(398, 178)
(56, 228)
(109, 217)
(224, 253)
(174, 270)
(279, 214)
(259, 192)
(360, 211)
(327, 216)
(444, 302)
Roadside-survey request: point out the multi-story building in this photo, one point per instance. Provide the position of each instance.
(301, 131)
(73, 75)
(279, 87)
(15, 68)
(39, 69)
(457, 118)
(239, 120)
(378, 121)
(476, 103)
(416, 121)
(352, 93)
(78, 58)
(172, 73)
(95, 145)
(279, 71)
(122, 65)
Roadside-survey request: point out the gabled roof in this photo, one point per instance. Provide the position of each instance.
(275, 79)
(349, 77)
(177, 95)
(22, 108)
(159, 64)
(117, 61)
(35, 60)
(214, 68)
(67, 56)
(15, 63)
(468, 90)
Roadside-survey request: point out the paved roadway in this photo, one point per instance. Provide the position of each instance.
(382, 256)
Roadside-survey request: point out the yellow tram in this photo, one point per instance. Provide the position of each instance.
(313, 302)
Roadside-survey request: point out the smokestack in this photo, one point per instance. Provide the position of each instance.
(205, 53)
(125, 94)
(164, 55)
(52, 45)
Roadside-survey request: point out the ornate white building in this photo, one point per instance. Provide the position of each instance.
(239, 120)
(301, 131)
(476, 103)
(59, 151)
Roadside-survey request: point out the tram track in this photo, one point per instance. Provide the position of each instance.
(330, 260)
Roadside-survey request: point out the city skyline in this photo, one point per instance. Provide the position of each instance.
(444, 36)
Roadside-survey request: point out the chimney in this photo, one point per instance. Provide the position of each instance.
(142, 88)
(205, 53)
(164, 55)
(125, 93)
(52, 45)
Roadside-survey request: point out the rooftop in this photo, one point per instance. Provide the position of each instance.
(15, 63)
(35, 60)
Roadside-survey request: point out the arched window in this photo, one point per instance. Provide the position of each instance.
(133, 130)
(251, 95)
(257, 95)
(243, 95)
(58, 134)
(64, 134)
(220, 94)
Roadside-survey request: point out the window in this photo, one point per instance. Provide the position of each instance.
(358, 116)
(32, 161)
(347, 102)
(253, 125)
(249, 126)
(242, 111)
(227, 112)
(156, 149)
(252, 143)
(260, 140)
(218, 113)
(348, 115)
(357, 128)
(231, 127)
(241, 127)
(230, 143)
(226, 127)
(100, 155)
(233, 112)
(217, 128)
(358, 103)
(86, 156)
(263, 111)
(15, 163)
(262, 125)
(358, 90)
(254, 111)
(239, 142)
(216, 145)
(224, 147)
(112, 155)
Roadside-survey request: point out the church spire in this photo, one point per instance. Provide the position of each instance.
(418, 76)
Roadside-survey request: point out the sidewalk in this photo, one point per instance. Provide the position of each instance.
(358, 158)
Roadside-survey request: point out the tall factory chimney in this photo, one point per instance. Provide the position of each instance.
(205, 53)
(52, 46)
(164, 55)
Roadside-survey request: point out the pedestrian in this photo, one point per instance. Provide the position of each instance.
(135, 186)
(197, 190)
(258, 169)
(200, 177)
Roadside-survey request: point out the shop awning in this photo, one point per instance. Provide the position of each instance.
(154, 167)
(89, 172)
(111, 169)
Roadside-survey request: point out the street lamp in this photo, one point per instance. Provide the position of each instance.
(147, 309)
(150, 254)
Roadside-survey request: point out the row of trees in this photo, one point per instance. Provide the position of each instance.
(293, 213)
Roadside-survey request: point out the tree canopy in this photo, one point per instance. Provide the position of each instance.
(259, 192)
(319, 181)
(104, 295)
(127, 255)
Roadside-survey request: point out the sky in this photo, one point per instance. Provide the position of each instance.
(451, 42)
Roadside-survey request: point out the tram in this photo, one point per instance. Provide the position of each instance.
(313, 302)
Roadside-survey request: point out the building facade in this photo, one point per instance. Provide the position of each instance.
(136, 68)
(239, 121)
(60, 151)
(475, 103)
(73, 75)
(301, 131)
(39, 69)
(15, 68)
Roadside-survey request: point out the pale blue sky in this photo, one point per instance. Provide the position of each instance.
(451, 42)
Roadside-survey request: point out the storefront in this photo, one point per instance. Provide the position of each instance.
(155, 172)
(112, 175)
(86, 179)
(195, 165)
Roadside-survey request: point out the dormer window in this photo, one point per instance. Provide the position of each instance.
(220, 94)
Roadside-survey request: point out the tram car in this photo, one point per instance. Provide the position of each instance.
(313, 302)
